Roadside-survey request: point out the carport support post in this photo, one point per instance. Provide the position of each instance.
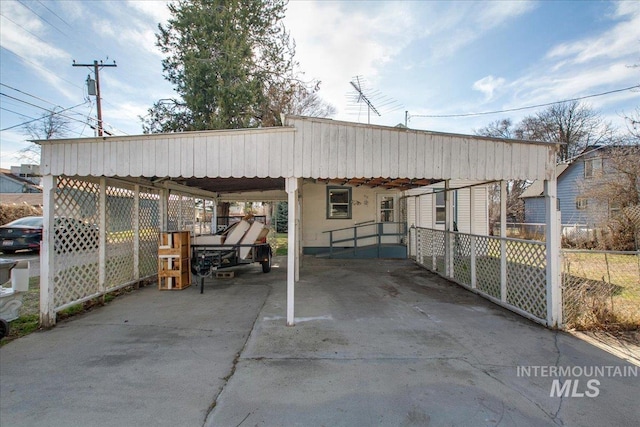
(214, 217)
(163, 207)
(503, 242)
(102, 246)
(291, 186)
(554, 294)
(448, 220)
(472, 237)
(47, 254)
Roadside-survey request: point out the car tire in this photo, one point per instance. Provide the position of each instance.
(8, 251)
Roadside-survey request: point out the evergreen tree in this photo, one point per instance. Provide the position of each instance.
(231, 63)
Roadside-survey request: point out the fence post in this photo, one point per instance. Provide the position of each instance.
(503, 242)
(554, 291)
(472, 246)
(102, 248)
(47, 254)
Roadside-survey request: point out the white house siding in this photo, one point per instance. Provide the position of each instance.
(314, 206)
(423, 217)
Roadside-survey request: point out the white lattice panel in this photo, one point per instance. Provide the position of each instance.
(462, 258)
(120, 235)
(488, 266)
(149, 229)
(526, 277)
(76, 240)
(181, 212)
(438, 250)
(76, 254)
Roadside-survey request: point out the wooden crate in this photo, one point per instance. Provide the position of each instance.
(174, 262)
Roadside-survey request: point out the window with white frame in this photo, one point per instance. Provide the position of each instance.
(592, 168)
(441, 208)
(614, 208)
(338, 202)
(581, 203)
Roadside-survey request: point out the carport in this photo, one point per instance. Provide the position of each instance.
(132, 187)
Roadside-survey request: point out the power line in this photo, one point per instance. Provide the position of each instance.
(43, 68)
(523, 108)
(20, 114)
(28, 94)
(39, 16)
(33, 34)
(53, 112)
(55, 14)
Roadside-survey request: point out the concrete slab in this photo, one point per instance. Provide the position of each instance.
(387, 343)
(377, 342)
(150, 358)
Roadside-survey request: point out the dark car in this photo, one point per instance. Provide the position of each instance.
(23, 233)
(26, 233)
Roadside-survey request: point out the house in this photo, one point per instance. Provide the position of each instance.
(11, 181)
(581, 203)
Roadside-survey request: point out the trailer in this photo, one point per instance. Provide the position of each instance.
(244, 242)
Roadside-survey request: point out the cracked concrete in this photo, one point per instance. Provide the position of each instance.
(377, 342)
(391, 344)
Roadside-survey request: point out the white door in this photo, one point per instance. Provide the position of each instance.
(387, 205)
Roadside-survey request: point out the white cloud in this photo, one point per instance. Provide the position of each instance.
(488, 85)
(336, 41)
(157, 10)
(460, 24)
(25, 36)
(619, 41)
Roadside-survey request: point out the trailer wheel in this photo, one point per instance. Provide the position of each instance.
(4, 328)
(266, 265)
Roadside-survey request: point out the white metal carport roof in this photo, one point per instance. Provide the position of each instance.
(303, 148)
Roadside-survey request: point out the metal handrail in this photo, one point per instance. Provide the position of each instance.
(379, 233)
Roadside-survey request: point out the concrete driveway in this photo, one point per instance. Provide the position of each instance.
(377, 342)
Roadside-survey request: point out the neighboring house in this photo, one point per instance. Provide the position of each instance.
(12, 183)
(574, 179)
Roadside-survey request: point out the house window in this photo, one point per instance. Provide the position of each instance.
(386, 208)
(581, 203)
(614, 209)
(338, 202)
(441, 209)
(592, 168)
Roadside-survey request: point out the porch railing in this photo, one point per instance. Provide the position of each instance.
(366, 234)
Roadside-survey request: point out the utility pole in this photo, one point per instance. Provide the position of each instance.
(96, 69)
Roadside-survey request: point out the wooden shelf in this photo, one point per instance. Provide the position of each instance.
(174, 263)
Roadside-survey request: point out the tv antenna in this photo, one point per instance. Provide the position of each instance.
(363, 94)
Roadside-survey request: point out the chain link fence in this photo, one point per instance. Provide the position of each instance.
(601, 289)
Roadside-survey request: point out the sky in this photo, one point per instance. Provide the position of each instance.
(414, 61)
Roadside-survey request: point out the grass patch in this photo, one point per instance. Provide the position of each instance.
(29, 320)
(602, 291)
(282, 244)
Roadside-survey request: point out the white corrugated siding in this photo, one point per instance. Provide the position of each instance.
(332, 149)
(311, 148)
